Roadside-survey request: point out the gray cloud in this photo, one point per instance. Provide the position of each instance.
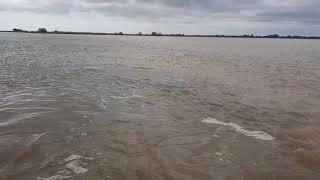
(180, 11)
(301, 11)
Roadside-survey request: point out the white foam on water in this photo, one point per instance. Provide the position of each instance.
(88, 158)
(55, 177)
(84, 134)
(136, 96)
(127, 97)
(36, 137)
(75, 162)
(75, 167)
(103, 103)
(64, 172)
(260, 135)
(72, 157)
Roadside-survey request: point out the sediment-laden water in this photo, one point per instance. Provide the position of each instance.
(148, 108)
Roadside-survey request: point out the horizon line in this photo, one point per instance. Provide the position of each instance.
(44, 31)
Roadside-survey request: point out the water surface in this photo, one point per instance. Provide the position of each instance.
(138, 108)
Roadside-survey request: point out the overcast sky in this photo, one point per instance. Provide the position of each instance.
(168, 16)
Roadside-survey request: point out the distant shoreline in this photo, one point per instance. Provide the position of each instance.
(274, 36)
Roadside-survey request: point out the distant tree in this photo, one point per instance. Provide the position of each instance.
(140, 34)
(42, 30)
(156, 34)
(17, 30)
(120, 33)
(272, 36)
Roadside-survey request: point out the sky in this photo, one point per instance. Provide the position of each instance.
(231, 17)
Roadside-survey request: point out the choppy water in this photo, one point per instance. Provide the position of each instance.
(142, 108)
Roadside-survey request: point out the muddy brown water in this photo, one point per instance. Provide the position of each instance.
(158, 108)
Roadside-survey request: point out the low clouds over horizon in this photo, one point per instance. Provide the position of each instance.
(172, 16)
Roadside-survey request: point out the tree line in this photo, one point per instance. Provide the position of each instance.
(276, 36)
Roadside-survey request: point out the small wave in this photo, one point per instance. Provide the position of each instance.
(55, 177)
(18, 119)
(6, 75)
(75, 90)
(141, 67)
(17, 95)
(14, 102)
(27, 108)
(255, 134)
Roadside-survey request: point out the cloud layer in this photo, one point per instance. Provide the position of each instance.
(279, 14)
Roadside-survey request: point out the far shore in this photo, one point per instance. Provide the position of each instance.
(273, 36)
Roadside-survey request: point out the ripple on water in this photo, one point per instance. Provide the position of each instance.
(19, 118)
